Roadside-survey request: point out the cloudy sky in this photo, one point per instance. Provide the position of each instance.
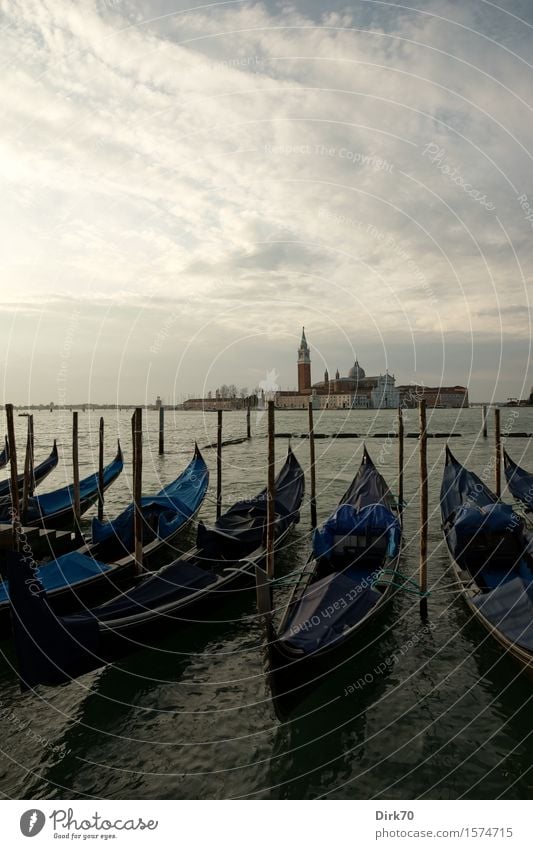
(184, 186)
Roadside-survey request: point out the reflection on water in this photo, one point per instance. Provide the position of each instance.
(191, 718)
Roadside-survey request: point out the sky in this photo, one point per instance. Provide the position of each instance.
(184, 186)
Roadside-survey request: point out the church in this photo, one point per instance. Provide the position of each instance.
(355, 391)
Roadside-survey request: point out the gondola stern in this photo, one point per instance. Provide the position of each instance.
(48, 650)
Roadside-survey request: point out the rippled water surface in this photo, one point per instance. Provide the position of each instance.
(451, 717)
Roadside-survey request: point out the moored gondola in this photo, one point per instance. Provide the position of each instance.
(53, 649)
(107, 562)
(340, 591)
(4, 454)
(519, 481)
(39, 473)
(491, 553)
(55, 509)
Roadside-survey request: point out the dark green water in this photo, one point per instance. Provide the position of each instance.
(450, 718)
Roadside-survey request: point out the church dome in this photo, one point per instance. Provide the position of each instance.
(356, 372)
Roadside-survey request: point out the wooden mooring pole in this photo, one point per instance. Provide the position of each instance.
(498, 447)
(15, 507)
(101, 469)
(271, 495)
(27, 489)
(484, 416)
(137, 487)
(75, 470)
(400, 463)
(312, 470)
(161, 429)
(423, 509)
(219, 463)
(248, 424)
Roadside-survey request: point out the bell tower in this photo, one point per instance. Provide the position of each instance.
(304, 367)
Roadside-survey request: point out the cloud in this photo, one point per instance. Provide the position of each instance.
(356, 169)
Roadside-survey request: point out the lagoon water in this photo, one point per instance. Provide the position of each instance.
(449, 717)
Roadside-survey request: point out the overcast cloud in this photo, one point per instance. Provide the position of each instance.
(182, 189)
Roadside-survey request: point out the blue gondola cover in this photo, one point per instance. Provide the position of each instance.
(374, 520)
(68, 569)
(164, 512)
(493, 518)
(509, 608)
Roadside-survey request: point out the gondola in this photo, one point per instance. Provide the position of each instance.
(39, 473)
(107, 562)
(55, 509)
(340, 591)
(53, 649)
(519, 481)
(4, 455)
(491, 553)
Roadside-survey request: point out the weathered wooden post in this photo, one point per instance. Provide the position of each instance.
(161, 429)
(28, 469)
(75, 469)
(248, 423)
(312, 465)
(484, 417)
(219, 463)
(101, 469)
(14, 485)
(423, 509)
(400, 462)
(271, 495)
(137, 488)
(498, 447)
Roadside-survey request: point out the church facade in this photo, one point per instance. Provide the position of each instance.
(353, 391)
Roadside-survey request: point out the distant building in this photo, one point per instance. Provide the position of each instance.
(218, 403)
(435, 396)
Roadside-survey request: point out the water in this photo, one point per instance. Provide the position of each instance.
(450, 718)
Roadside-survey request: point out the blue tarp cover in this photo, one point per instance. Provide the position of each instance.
(495, 518)
(374, 519)
(164, 512)
(520, 482)
(327, 606)
(61, 499)
(461, 487)
(68, 569)
(510, 609)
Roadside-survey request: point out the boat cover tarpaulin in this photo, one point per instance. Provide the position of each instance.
(326, 608)
(368, 486)
(374, 520)
(461, 487)
(520, 482)
(165, 512)
(67, 569)
(50, 503)
(154, 591)
(493, 518)
(509, 608)
(242, 528)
